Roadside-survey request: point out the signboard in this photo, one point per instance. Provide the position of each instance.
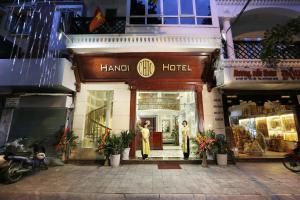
(259, 74)
(140, 66)
(12, 102)
(239, 75)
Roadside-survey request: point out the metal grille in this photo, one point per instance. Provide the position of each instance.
(253, 49)
(80, 25)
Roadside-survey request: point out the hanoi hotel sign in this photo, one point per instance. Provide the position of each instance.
(145, 68)
(124, 67)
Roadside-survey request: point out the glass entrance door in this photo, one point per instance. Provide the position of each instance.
(166, 110)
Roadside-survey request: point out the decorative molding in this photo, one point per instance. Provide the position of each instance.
(258, 2)
(141, 43)
(254, 63)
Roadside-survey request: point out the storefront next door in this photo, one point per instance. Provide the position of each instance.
(263, 123)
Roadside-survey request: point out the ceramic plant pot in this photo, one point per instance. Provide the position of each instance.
(222, 159)
(125, 154)
(115, 160)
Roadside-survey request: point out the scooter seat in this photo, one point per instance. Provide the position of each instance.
(25, 153)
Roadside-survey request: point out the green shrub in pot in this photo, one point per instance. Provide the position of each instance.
(221, 148)
(127, 137)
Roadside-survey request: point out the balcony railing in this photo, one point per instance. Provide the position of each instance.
(253, 49)
(80, 25)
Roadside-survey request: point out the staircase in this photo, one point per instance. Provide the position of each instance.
(95, 129)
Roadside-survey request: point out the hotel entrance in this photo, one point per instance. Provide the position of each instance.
(164, 89)
(165, 111)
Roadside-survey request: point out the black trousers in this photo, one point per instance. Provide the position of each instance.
(187, 154)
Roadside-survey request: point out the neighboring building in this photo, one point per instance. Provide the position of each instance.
(37, 83)
(264, 100)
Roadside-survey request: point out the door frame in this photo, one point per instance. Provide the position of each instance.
(135, 86)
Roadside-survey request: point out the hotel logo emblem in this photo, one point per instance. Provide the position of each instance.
(145, 68)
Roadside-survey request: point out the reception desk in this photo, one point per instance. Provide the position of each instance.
(156, 141)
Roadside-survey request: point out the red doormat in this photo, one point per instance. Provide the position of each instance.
(168, 166)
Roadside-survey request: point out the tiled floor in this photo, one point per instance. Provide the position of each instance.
(244, 181)
(168, 151)
(267, 154)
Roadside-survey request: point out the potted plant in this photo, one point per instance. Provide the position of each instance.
(126, 137)
(221, 148)
(175, 134)
(66, 144)
(113, 149)
(205, 143)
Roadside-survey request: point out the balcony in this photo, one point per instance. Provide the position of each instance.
(252, 50)
(246, 71)
(80, 25)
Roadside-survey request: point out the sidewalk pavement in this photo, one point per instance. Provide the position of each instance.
(253, 181)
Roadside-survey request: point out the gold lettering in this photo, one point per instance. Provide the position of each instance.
(183, 68)
(110, 68)
(165, 67)
(176, 68)
(189, 69)
(172, 68)
(117, 68)
(124, 68)
(103, 67)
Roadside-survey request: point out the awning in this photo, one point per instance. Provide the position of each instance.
(52, 74)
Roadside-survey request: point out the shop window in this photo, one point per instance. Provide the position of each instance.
(153, 20)
(172, 8)
(137, 7)
(110, 14)
(20, 22)
(98, 116)
(187, 20)
(137, 20)
(203, 7)
(154, 8)
(186, 7)
(264, 127)
(186, 12)
(65, 19)
(204, 21)
(170, 20)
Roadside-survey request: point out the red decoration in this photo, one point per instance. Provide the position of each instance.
(97, 20)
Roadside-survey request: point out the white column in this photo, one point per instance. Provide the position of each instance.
(108, 111)
(229, 39)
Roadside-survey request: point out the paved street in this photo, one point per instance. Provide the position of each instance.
(244, 181)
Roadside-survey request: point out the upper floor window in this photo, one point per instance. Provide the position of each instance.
(188, 12)
(20, 22)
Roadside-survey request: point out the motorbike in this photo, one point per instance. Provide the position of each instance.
(292, 160)
(16, 160)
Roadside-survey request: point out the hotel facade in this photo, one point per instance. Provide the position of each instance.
(172, 60)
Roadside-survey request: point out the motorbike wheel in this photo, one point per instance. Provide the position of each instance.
(291, 164)
(11, 175)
